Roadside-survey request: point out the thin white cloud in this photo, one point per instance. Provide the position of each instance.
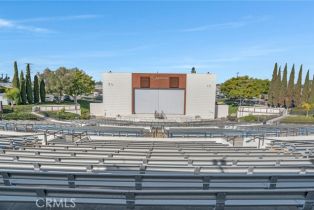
(216, 26)
(22, 25)
(59, 18)
(227, 25)
(5, 23)
(9, 24)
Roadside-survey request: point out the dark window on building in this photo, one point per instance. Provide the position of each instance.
(174, 82)
(145, 82)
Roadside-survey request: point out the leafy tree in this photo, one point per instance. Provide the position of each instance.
(244, 87)
(193, 70)
(283, 89)
(42, 91)
(290, 89)
(271, 93)
(298, 89)
(16, 81)
(79, 83)
(306, 88)
(29, 89)
(307, 107)
(56, 81)
(5, 79)
(13, 94)
(36, 90)
(277, 91)
(312, 91)
(23, 88)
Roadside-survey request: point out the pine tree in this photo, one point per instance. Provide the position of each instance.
(306, 88)
(312, 92)
(29, 89)
(22, 89)
(298, 89)
(272, 86)
(290, 89)
(42, 91)
(277, 90)
(283, 89)
(36, 90)
(16, 81)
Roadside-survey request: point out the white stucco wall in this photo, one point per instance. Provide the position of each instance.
(222, 111)
(201, 95)
(117, 94)
(97, 109)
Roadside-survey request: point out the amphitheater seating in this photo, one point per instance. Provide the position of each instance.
(73, 129)
(155, 173)
(243, 131)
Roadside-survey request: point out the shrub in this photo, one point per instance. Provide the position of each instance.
(301, 111)
(2, 89)
(298, 119)
(254, 118)
(61, 115)
(19, 116)
(233, 110)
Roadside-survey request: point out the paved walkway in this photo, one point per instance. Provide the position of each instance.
(50, 119)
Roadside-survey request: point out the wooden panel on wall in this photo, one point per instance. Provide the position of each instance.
(158, 81)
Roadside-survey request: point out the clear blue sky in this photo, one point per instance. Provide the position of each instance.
(219, 37)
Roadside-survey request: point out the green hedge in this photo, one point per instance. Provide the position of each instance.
(18, 108)
(20, 112)
(254, 118)
(19, 116)
(85, 109)
(298, 119)
(300, 111)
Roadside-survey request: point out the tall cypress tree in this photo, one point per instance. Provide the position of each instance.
(272, 86)
(277, 90)
(298, 89)
(29, 89)
(306, 88)
(15, 80)
(22, 89)
(42, 91)
(36, 90)
(283, 89)
(312, 92)
(290, 89)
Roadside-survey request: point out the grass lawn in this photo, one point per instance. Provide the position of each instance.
(298, 119)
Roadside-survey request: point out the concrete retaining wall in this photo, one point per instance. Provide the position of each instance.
(56, 108)
(246, 111)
